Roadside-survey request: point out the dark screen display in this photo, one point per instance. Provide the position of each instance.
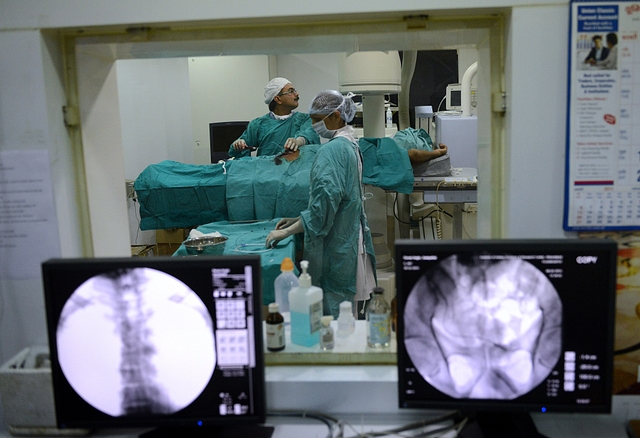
(221, 136)
(509, 325)
(155, 341)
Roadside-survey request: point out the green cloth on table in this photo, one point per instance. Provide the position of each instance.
(411, 138)
(173, 194)
(253, 235)
(386, 165)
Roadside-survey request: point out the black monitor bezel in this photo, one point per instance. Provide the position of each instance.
(404, 247)
(56, 268)
(219, 147)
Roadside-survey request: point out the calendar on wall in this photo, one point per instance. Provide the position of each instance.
(602, 188)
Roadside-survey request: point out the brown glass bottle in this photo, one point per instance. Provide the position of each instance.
(275, 328)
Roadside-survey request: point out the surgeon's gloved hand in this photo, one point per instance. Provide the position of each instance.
(276, 236)
(286, 222)
(292, 144)
(240, 145)
(286, 227)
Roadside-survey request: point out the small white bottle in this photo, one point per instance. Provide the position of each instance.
(305, 304)
(346, 320)
(326, 333)
(389, 117)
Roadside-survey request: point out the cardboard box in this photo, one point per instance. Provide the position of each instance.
(167, 248)
(172, 235)
(143, 250)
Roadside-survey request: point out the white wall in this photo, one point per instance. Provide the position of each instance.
(224, 88)
(155, 112)
(155, 109)
(536, 117)
(309, 74)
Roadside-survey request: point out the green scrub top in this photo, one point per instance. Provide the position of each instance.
(269, 134)
(332, 221)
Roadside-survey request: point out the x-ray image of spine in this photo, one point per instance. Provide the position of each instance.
(136, 341)
(482, 328)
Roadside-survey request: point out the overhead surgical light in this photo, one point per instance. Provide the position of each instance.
(371, 74)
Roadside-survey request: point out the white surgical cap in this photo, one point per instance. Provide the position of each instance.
(329, 101)
(274, 87)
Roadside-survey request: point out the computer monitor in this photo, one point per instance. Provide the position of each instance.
(221, 135)
(169, 343)
(454, 97)
(498, 329)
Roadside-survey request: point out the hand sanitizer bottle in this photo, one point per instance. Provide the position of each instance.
(305, 305)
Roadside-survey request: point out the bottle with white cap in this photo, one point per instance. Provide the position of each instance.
(326, 333)
(378, 320)
(305, 305)
(275, 328)
(346, 320)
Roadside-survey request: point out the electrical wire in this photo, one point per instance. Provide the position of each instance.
(395, 213)
(251, 236)
(440, 104)
(329, 421)
(439, 210)
(252, 251)
(438, 215)
(415, 426)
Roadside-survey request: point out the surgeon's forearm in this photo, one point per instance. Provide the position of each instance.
(296, 227)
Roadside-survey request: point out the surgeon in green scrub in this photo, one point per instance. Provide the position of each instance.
(337, 239)
(281, 130)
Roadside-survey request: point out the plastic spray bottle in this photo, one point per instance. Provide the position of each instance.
(284, 282)
(305, 304)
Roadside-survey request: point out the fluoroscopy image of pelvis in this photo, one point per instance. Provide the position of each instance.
(141, 332)
(482, 328)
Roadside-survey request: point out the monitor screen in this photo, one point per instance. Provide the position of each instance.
(506, 326)
(164, 342)
(221, 135)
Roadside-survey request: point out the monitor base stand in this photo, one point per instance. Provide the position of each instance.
(500, 425)
(249, 430)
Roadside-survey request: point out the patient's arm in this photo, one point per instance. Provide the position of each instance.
(419, 156)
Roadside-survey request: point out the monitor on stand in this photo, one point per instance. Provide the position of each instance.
(171, 344)
(221, 136)
(498, 329)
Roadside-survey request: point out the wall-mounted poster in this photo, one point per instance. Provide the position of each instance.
(602, 190)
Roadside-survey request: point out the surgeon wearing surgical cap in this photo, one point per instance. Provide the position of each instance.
(337, 239)
(280, 130)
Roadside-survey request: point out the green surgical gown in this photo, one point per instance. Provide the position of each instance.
(331, 223)
(269, 134)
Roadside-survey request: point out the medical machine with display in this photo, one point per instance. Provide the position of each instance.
(168, 343)
(499, 329)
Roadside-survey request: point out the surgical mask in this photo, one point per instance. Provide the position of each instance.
(321, 129)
